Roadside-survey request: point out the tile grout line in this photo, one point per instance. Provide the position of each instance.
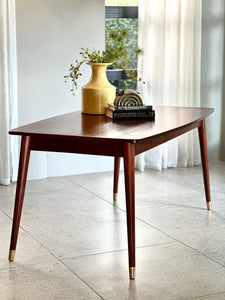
(184, 244)
(21, 227)
(202, 192)
(88, 254)
(150, 225)
(119, 250)
(4, 213)
(135, 217)
(201, 297)
(98, 253)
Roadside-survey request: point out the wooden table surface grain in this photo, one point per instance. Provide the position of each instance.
(76, 124)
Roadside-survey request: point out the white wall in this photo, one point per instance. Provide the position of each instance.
(212, 74)
(50, 34)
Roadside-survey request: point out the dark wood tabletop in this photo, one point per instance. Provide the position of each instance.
(80, 125)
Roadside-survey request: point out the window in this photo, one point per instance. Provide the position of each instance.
(123, 13)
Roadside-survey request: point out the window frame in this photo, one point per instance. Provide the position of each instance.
(118, 12)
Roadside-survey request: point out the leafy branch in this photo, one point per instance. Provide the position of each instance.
(115, 52)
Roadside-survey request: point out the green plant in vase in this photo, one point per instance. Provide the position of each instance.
(115, 53)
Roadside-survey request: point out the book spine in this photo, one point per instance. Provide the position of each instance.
(119, 108)
(134, 114)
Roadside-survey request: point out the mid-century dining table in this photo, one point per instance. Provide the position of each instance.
(99, 135)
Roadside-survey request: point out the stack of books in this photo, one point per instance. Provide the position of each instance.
(130, 112)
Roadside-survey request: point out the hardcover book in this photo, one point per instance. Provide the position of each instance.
(130, 114)
(134, 107)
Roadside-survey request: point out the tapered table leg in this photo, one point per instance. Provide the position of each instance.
(205, 165)
(116, 177)
(20, 190)
(129, 156)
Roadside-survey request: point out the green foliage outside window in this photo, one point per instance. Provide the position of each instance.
(124, 84)
(131, 25)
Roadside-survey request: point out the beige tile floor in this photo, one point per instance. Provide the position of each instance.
(72, 241)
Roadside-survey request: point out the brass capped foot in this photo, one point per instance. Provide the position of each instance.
(115, 196)
(132, 272)
(208, 204)
(12, 254)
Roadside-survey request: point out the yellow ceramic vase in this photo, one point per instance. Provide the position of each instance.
(98, 92)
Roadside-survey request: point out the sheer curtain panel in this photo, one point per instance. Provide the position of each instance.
(170, 36)
(8, 92)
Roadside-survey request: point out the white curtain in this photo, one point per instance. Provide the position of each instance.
(8, 92)
(170, 36)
